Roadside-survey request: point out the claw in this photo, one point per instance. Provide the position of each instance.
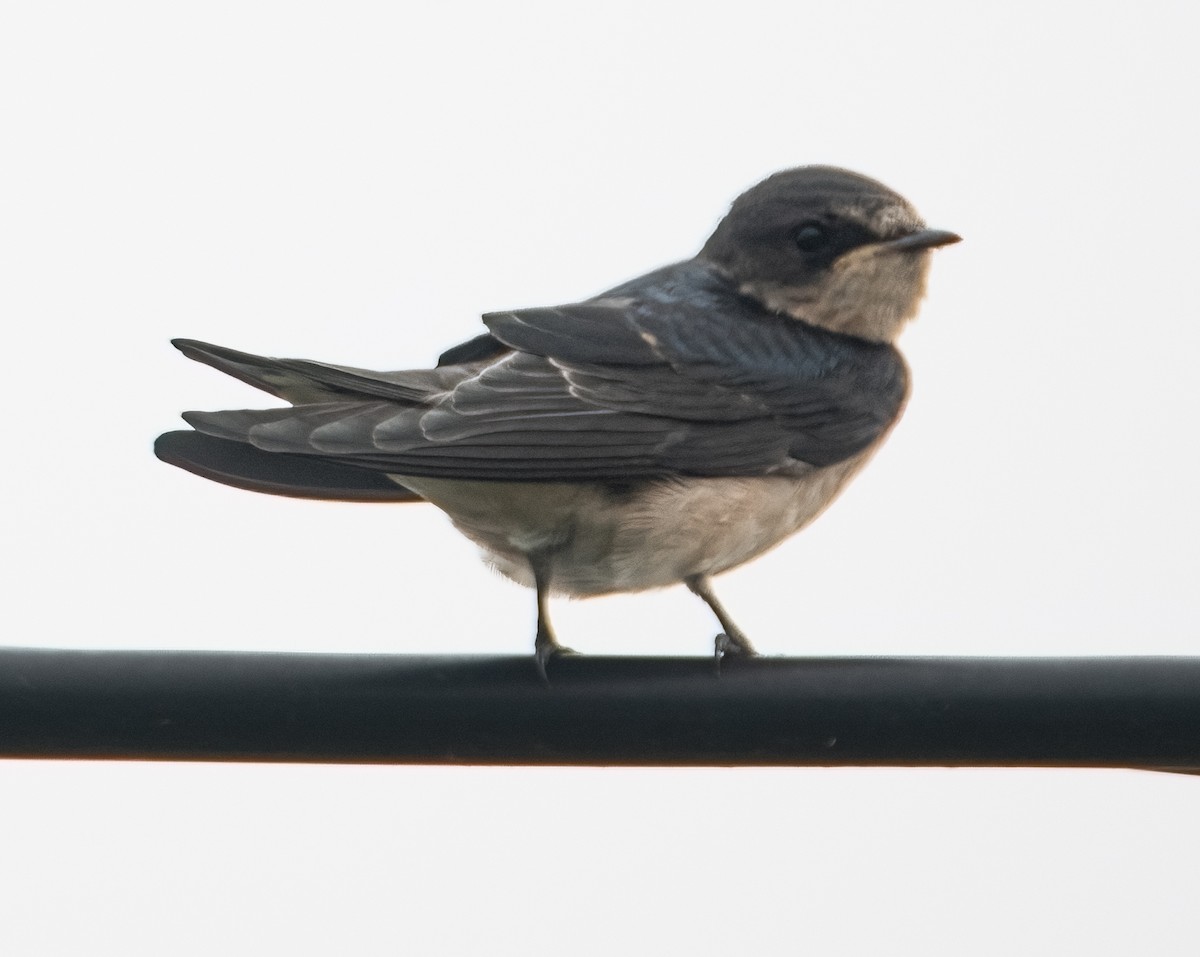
(734, 643)
(545, 648)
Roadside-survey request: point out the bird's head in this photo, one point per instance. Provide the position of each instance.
(830, 247)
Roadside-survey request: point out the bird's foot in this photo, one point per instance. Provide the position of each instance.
(546, 647)
(731, 643)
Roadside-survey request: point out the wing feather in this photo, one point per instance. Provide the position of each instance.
(682, 377)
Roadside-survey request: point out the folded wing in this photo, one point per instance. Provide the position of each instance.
(682, 378)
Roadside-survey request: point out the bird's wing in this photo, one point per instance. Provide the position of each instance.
(482, 347)
(822, 395)
(612, 388)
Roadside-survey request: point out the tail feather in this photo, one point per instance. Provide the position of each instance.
(302, 381)
(297, 476)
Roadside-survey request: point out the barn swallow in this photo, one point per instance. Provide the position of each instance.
(659, 433)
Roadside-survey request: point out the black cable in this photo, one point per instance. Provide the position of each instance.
(225, 706)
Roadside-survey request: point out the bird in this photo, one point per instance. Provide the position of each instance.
(660, 433)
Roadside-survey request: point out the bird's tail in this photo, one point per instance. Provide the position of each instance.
(302, 381)
(297, 476)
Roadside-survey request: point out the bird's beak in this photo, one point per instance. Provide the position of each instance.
(922, 239)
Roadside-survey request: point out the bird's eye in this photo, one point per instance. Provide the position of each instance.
(810, 236)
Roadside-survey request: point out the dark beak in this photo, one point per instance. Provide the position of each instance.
(923, 239)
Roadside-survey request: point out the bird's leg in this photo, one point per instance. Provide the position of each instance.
(545, 644)
(732, 640)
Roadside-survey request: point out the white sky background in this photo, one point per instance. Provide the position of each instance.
(357, 183)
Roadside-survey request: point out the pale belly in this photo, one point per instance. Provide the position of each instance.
(594, 540)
